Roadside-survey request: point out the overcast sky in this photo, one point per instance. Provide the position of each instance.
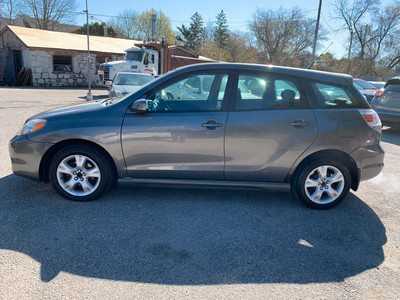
(238, 13)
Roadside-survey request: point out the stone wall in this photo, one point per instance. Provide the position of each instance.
(41, 64)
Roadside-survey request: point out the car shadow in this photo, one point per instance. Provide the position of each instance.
(391, 135)
(189, 236)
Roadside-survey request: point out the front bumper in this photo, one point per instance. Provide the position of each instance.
(26, 156)
(369, 160)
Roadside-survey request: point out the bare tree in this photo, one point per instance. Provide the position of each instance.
(46, 13)
(8, 9)
(284, 36)
(392, 50)
(126, 22)
(351, 15)
(368, 26)
(139, 26)
(239, 48)
(386, 21)
(163, 27)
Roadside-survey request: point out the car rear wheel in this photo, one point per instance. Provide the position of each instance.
(80, 173)
(322, 183)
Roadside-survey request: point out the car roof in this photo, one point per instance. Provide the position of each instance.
(313, 74)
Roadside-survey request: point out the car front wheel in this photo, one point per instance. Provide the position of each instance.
(80, 173)
(322, 183)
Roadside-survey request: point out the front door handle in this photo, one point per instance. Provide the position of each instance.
(212, 124)
(299, 122)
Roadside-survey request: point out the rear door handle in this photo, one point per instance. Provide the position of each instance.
(299, 122)
(212, 124)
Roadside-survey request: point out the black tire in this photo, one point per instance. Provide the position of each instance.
(102, 184)
(304, 171)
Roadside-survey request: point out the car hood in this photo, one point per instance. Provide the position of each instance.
(83, 108)
(126, 89)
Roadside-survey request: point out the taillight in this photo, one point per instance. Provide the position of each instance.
(371, 117)
(379, 93)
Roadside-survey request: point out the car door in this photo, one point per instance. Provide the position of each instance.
(178, 137)
(270, 124)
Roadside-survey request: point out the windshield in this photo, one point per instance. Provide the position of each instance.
(365, 84)
(136, 55)
(132, 79)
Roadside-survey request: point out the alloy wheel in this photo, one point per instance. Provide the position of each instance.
(324, 184)
(78, 175)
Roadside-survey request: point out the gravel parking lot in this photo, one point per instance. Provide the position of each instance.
(169, 243)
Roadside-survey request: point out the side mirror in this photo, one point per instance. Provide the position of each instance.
(196, 90)
(139, 106)
(108, 83)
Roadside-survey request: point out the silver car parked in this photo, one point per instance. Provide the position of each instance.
(245, 125)
(127, 82)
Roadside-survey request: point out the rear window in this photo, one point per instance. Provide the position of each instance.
(332, 96)
(132, 79)
(393, 86)
(365, 84)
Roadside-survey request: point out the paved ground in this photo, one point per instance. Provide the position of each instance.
(168, 243)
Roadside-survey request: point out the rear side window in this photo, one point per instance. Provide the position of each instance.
(261, 92)
(332, 96)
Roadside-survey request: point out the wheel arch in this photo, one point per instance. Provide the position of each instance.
(46, 159)
(339, 155)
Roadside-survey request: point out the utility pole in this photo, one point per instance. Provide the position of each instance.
(153, 26)
(219, 47)
(316, 34)
(89, 94)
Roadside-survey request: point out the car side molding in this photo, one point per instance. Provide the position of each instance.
(218, 183)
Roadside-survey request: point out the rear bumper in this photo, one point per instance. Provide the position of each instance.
(369, 161)
(26, 156)
(388, 117)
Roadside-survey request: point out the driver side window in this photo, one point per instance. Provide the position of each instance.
(197, 92)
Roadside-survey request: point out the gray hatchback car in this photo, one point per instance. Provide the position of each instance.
(387, 103)
(211, 124)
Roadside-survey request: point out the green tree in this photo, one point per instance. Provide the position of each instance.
(192, 36)
(97, 29)
(221, 31)
(184, 35)
(196, 29)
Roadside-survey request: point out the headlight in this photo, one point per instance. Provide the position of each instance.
(32, 126)
(118, 94)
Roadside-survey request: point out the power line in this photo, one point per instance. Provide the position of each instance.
(335, 33)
